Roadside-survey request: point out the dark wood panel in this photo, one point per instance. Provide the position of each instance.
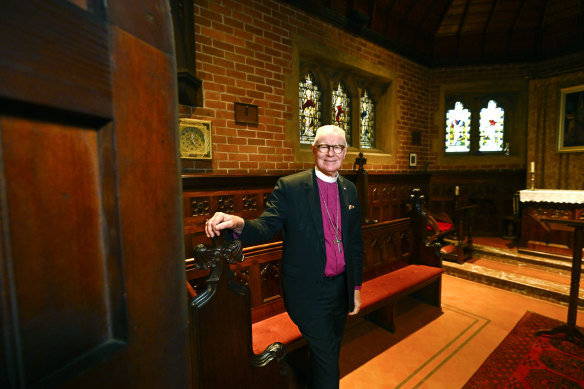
(65, 64)
(389, 194)
(91, 253)
(537, 235)
(492, 190)
(62, 281)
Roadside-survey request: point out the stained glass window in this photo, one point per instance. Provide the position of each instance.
(342, 110)
(458, 129)
(491, 127)
(310, 100)
(367, 112)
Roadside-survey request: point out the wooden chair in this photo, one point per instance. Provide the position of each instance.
(512, 223)
(440, 225)
(453, 234)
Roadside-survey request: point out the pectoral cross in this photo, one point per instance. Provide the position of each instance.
(338, 242)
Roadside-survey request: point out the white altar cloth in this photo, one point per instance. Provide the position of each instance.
(552, 196)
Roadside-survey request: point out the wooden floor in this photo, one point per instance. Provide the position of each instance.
(433, 348)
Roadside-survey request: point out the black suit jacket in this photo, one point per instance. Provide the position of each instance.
(294, 208)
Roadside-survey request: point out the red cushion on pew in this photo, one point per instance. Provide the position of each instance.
(397, 281)
(441, 226)
(278, 328)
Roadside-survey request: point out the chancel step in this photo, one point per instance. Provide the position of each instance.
(535, 276)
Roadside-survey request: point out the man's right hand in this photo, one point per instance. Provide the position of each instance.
(221, 221)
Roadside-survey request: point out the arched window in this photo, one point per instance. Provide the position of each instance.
(367, 118)
(350, 99)
(457, 129)
(310, 108)
(341, 110)
(491, 127)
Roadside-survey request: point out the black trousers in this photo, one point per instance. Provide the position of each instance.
(324, 332)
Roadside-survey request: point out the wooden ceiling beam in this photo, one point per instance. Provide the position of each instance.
(539, 30)
(513, 26)
(405, 16)
(446, 6)
(487, 24)
(424, 19)
(460, 26)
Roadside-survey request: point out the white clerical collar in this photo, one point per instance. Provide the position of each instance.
(324, 177)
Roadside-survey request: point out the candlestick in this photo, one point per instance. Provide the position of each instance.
(532, 179)
(456, 190)
(532, 170)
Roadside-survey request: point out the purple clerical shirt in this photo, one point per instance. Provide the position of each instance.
(329, 191)
(331, 221)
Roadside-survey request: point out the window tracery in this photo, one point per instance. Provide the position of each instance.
(342, 110)
(492, 127)
(310, 108)
(458, 129)
(367, 118)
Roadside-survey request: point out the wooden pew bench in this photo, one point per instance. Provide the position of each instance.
(378, 295)
(253, 324)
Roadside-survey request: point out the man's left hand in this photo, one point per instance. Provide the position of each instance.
(357, 302)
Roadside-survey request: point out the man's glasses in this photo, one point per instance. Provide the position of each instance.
(324, 148)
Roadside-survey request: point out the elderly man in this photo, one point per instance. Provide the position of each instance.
(319, 215)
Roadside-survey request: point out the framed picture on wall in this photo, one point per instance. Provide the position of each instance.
(195, 139)
(413, 159)
(571, 120)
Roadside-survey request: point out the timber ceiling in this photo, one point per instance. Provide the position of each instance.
(461, 32)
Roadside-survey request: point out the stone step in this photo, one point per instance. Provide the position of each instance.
(538, 277)
(558, 264)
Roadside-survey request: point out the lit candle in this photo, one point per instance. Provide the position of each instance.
(456, 190)
(532, 167)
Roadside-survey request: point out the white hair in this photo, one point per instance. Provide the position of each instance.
(329, 128)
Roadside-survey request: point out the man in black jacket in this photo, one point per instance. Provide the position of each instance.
(319, 215)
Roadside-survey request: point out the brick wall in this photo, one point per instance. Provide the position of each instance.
(245, 53)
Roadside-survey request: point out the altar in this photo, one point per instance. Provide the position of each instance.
(539, 204)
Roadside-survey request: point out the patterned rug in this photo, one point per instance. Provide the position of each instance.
(524, 360)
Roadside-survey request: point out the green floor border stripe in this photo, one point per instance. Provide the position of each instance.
(458, 311)
(462, 311)
(451, 355)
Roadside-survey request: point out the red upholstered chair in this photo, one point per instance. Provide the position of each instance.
(440, 225)
(454, 236)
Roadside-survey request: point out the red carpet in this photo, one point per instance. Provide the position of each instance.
(524, 360)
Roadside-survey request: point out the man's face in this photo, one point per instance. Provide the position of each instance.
(330, 162)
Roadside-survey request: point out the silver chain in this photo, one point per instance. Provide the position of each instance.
(335, 228)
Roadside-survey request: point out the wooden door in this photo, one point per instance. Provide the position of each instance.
(92, 273)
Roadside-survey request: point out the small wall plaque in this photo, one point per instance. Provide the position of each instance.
(246, 113)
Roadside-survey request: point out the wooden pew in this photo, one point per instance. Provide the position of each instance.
(220, 329)
(250, 321)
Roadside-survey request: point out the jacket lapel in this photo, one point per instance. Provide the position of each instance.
(313, 199)
(344, 202)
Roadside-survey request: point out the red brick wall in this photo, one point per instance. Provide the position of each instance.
(244, 53)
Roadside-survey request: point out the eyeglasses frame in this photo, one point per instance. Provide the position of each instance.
(318, 147)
